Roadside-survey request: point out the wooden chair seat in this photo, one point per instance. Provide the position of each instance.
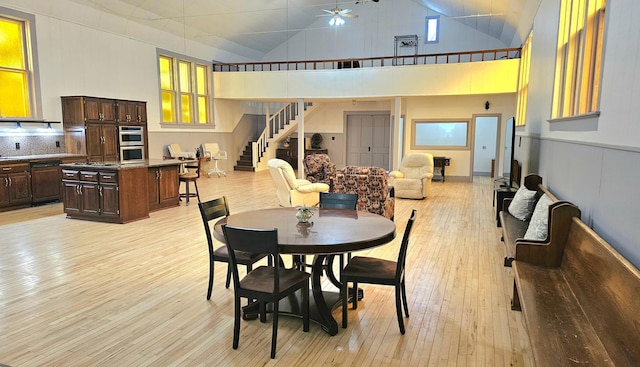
(360, 270)
(261, 279)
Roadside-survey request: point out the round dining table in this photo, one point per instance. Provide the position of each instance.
(330, 232)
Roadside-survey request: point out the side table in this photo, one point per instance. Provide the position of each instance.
(499, 194)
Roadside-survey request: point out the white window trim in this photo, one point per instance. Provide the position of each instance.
(194, 92)
(426, 29)
(31, 49)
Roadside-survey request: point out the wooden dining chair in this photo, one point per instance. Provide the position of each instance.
(265, 284)
(214, 209)
(334, 200)
(378, 271)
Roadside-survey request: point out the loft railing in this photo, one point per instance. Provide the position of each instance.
(369, 62)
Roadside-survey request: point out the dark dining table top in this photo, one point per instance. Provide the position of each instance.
(331, 231)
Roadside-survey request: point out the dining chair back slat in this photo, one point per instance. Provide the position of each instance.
(334, 200)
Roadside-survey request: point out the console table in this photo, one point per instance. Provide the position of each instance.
(439, 163)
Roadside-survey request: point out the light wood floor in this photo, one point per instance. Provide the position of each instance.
(77, 293)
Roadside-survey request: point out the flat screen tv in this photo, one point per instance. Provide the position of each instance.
(509, 173)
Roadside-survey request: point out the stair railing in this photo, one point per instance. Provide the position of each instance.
(276, 122)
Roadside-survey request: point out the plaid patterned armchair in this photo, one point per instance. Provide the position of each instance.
(319, 168)
(370, 183)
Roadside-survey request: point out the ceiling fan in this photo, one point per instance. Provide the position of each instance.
(338, 14)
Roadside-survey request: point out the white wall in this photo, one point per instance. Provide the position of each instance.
(82, 51)
(372, 34)
(592, 162)
(456, 107)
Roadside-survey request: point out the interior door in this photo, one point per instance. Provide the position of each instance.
(368, 139)
(485, 144)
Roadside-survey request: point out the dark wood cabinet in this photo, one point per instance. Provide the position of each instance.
(106, 195)
(45, 183)
(15, 186)
(101, 142)
(91, 125)
(163, 187)
(290, 154)
(131, 111)
(99, 110)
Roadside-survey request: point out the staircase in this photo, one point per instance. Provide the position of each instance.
(245, 163)
(278, 127)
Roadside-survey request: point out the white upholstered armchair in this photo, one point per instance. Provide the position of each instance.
(413, 179)
(292, 191)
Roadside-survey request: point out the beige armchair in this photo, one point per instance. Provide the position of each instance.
(292, 191)
(413, 179)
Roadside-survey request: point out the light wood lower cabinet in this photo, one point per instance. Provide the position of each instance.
(163, 187)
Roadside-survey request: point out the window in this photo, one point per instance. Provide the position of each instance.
(579, 57)
(523, 81)
(184, 89)
(440, 134)
(432, 29)
(17, 60)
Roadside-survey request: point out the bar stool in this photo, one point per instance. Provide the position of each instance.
(191, 174)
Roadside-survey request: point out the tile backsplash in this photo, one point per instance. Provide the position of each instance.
(31, 145)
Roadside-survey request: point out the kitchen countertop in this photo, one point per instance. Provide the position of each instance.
(39, 158)
(122, 166)
(89, 165)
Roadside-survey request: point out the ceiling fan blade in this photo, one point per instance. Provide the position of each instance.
(344, 11)
(353, 16)
(328, 11)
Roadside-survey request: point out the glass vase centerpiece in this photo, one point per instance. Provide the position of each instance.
(304, 214)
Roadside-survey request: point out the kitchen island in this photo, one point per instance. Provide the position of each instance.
(119, 192)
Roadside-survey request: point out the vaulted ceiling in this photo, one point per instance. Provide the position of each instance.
(252, 28)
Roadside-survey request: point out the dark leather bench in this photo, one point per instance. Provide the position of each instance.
(584, 310)
(560, 214)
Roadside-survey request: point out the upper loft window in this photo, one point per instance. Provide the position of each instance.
(17, 62)
(185, 89)
(432, 29)
(579, 57)
(523, 81)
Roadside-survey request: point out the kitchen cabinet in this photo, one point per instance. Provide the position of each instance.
(132, 112)
(90, 125)
(163, 187)
(101, 142)
(45, 181)
(99, 110)
(104, 194)
(15, 186)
